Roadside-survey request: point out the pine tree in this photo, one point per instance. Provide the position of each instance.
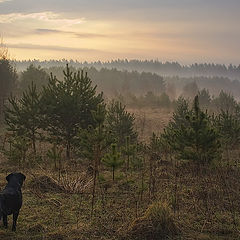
(225, 102)
(178, 120)
(17, 153)
(179, 115)
(128, 150)
(68, 106)
(113, 160)
(195, 139)
(229, 128)
(93, 143)
(23, 117)
(54, 154)
(120, 123)
(204, 98)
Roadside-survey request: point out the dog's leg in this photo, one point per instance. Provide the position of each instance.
(15, 216)
(5, 222)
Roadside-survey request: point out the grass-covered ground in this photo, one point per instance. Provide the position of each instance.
(186, 204)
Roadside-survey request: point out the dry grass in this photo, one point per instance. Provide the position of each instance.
(187, 203)
(150, 120)
(156, 223)
(207, 206)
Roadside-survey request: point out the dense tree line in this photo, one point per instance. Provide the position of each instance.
(113, 81)
(154, 66)
(214, 84)
(140, 90)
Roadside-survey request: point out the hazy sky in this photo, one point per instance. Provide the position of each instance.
(169, 30)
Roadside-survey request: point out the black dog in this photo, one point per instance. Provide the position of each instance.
(11, 198)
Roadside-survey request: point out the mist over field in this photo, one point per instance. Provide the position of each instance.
(138, 77)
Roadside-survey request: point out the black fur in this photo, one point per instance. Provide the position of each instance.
(11, 198)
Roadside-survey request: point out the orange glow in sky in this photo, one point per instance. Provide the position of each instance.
(193, 31)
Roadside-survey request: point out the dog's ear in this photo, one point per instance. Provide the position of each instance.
(9, 176)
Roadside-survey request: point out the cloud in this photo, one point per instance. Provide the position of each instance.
(76, 34)
(1, 1)
(48, 31)
(51, 48)
(49, 17)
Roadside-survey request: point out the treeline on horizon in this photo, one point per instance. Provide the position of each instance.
(113, 81)
(134, 89)
(155, 66)
(132, 85)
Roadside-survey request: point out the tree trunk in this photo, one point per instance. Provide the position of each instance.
(34, 143)
(68, 147)
(113, 174)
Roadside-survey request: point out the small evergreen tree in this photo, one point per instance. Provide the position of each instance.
(229, 128)
(204, 98)
(68, 105)
(196, 139)
(128, 150)
(17, 153)
(93, 143)
(54, 154)
(178, 120)
(113, 160)
(179, 115)
(225, 102)
(120, 123)
(23, 117)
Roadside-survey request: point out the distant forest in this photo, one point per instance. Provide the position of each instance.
(164, 69)
(113, 81)
(123, 77)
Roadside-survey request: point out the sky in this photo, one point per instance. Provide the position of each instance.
(186, 31)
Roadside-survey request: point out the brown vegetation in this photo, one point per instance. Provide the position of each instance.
(188, 202)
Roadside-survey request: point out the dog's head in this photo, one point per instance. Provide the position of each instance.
(19, 177)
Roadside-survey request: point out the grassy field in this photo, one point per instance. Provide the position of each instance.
(185, 203)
